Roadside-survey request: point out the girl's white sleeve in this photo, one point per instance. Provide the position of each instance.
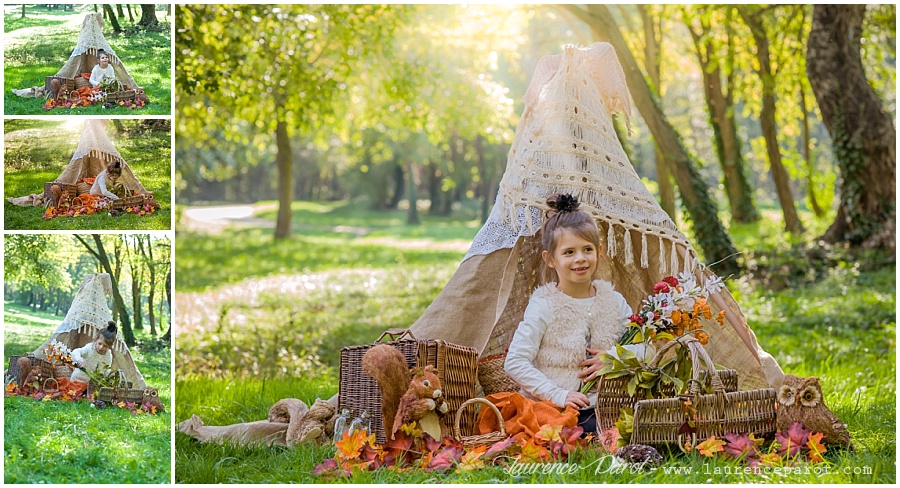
(624, 310)
(78, 354)
(99, 187)
(96, 76)
(524, 348)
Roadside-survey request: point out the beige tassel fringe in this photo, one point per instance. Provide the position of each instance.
(645, 262)
(673, 264)
(629, 252)
(611, 241)
(662, 257)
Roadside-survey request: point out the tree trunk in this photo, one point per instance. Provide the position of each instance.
(653, 63)
(767, 121)
(151, 296)
(808, 157)
(398, 186)
(168, 335)
(119, 11)
(708, 229)
(103, 258)
(23, 10)
(120, 129)
(720, 105)
(148, 17)
(862, 131)
(130, 15)
(283, 159)
(136, 300)
(111, 17)
(412, 215)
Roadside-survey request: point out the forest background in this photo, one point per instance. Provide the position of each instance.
(331, 180)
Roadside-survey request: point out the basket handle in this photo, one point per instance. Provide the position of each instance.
(396, 334)
(654, 363)
(698, 353)
(459, 411)
(48, 380)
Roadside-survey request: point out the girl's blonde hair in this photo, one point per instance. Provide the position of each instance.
(563, 214)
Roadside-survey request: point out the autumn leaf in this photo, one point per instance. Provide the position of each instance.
(121, 404)
(430, 443)
(451, 442)
(11, 387)
(445, 459)
(770, 459)
(792, 440)
(533, 453)
(499, 447)
(710, 446)
(472, 460)
(740, 446)
(350, 444)
(411, 430)
(609, 439)
(549, 433)
(399, 448)
(816, 448)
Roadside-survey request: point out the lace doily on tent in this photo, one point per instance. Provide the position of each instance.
(89, 307)
(566, 143)
(91, 39)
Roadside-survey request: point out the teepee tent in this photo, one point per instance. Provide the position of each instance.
(565, 143)
(84, 56)
(94, 153)
(87, 315)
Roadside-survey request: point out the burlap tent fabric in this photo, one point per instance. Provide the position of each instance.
(89, 313)
(566, 143)
(84, 56)
(94, 153)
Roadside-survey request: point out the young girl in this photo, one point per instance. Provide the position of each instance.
(92, 356)
(102, 70)
(570, 319)
(106, 180)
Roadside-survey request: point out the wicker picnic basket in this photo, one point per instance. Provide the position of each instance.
(50, 385)
(82, 82)
(120, 394)
(473, 441)
(492, 375)
(129, 201)
(121, 96)
(658, 422)
(612, 396)
(456, 367)
(45, 367)
(62, 371)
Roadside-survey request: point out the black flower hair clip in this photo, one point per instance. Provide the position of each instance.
(566, 203)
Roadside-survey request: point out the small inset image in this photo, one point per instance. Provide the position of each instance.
(117, 175)
(87, 59)
(87, 380)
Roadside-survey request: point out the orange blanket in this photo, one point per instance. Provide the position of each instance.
(523, 417)
(71, 387)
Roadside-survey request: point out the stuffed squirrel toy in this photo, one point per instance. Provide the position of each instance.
(407, 395)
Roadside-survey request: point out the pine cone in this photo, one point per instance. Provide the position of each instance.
(645, 456)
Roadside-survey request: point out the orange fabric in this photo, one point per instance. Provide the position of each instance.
(523, 417)
(76, 387)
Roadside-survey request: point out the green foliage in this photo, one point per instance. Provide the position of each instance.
(36, 152)
(62, 442)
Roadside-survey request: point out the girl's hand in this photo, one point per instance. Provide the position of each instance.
(577, 400)
(591, 365)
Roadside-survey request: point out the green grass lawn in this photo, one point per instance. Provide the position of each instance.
(62, 442)
(37, 151)
(267, 343)
(39, 45)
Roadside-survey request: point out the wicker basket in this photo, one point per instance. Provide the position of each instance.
(45, 367)
(456, 367)
(126, 202)
(82, 82)
(50, 385)
(121, 96)
(611, 396)
(657, 422)
(82, 187)
(492, 376)
(472, 441)
(116, 394)
(48, 195)
(62, 371)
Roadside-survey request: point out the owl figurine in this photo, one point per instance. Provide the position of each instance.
(151, 396)
(801, 400)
